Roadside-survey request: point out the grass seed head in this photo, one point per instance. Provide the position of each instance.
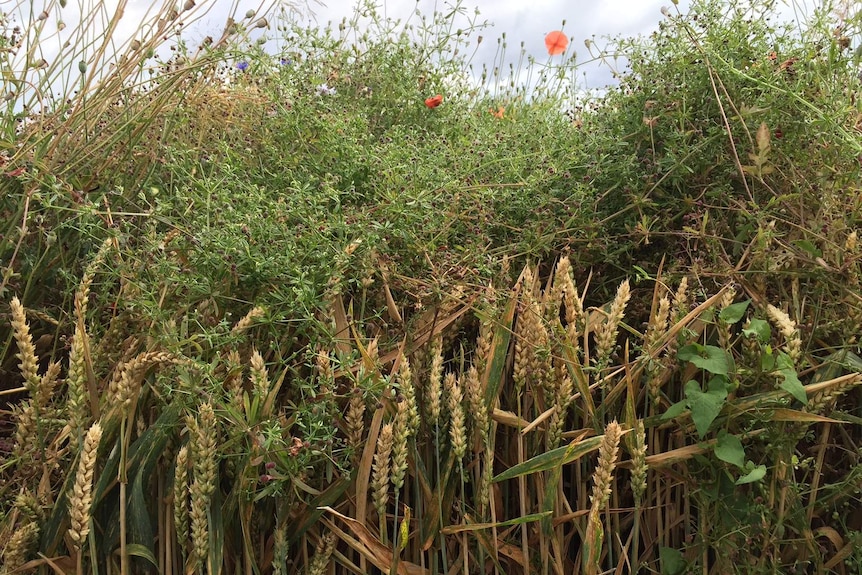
(408, 390)
(457, 426)
(259, 376)
(77, 401)
(606, 334)
(81, 498)
(400, 434)
(322, 555)
(181, 495)
(381, 469)
(639, 465)
(22, 542)
(787, 327)
(434, 388)
(355, 417)
(603, 475)
(26, 350)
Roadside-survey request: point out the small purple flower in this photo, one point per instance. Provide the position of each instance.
(266, 478)
(286, 62)
(270, 465)
(241, 66)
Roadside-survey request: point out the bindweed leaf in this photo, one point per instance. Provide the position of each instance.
(758, 328)
(672, 561)
(756, 474)
(705, 406)
(707, 357)
(729, 448)
(733, 313)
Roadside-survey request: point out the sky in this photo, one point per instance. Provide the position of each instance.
(521, 20)
(529, 21)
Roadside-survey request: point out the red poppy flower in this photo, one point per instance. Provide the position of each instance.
(434, 101)
(556, 42)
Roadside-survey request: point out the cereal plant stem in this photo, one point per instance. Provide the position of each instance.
(522, 497)
(124, 559)
(393, 568)
(464, 548)
(440, 494)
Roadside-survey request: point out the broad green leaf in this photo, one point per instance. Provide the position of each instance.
(756, 474)
(808, 247)
(733, 313)
(674, 410)
(729, 448)
(767, 360)
(791, 383)
(793, 386)
(672, 561)
(705, 406)
(707, 357)
(551, 459)
(758, 328)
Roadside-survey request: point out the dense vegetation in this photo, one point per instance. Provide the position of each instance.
(289, 311)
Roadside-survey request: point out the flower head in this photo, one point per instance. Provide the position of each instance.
(325, 90)
(434, 101)
(241, 66)
(499, 112)
(556, 42)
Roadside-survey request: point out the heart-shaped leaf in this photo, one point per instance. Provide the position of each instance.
(729, 448)
(707, 357)
(733, 313)
(756, 474)
(705, 406)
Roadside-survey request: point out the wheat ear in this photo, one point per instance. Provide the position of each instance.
(81, 497)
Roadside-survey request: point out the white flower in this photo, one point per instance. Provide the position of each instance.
(325, 90)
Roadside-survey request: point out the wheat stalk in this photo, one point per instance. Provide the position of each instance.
(259, 376)
(203, 486)
(457, 427)
(476, 401)
(405, 385)
(81, 497)
(787, 327)
(26, 350)
(280, 549)
(434, 389)
(381, 470)
(126, 382)
(248, 320)
(21, 543)
(602, 478)
(181, 496)
(606, 333)
(322, 555)
(355, 417)
(400, 434)
(77, 403)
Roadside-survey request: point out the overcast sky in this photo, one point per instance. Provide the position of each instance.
(521, 20)
(529, 21)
